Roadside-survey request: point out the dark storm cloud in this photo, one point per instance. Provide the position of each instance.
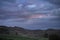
(56, 2)
(9, 9)
(8, 1)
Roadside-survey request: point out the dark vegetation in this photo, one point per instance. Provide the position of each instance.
(46, 35)
(4, 30)
(17, 37)
(5, 39)
(54, 37)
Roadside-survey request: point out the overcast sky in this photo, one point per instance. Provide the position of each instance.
(30, 14)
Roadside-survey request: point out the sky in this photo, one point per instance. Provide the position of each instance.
(30, 14)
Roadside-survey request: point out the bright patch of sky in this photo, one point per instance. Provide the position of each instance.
(42, 6)
(31, 6)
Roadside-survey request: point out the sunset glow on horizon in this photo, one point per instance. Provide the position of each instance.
(39, 16)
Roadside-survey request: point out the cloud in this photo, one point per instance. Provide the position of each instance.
(31, 6)
(35, 23)
(27, 13)
(56, 2)
(8, 1)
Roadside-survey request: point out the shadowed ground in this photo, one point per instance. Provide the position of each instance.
(15, 37)
(54, 37)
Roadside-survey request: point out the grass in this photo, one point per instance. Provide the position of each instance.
(17, 37)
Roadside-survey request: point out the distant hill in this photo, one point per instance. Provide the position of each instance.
(29, 33)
